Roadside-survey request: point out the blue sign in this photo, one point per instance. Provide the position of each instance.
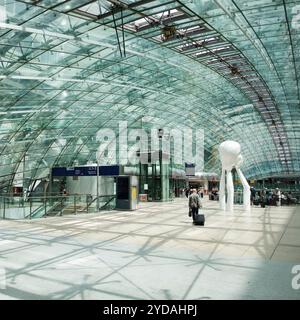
(190, 165)
(85, 171)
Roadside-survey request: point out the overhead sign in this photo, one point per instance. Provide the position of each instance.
(190, 169)
(85, 171)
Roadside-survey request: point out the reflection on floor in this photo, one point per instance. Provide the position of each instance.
(152, 253)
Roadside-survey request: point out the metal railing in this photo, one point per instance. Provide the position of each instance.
(283, 187)
(238, 197)
(15, 207)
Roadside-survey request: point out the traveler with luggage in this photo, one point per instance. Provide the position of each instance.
(194, 205)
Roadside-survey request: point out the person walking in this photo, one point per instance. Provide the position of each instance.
(194, 203)
(253, 194)
(278, 197)
(263, 200)
(187, 192)
(201, 193)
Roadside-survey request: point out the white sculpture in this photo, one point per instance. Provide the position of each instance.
(230, 154)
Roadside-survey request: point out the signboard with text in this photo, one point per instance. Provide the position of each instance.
(190, 169)
(85, 171)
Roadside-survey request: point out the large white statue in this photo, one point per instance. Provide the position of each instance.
(230, 154)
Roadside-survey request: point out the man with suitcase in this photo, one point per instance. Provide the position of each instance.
(194, 205)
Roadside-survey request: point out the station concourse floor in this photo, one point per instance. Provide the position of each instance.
(152, 253)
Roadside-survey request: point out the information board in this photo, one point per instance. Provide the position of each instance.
(85, 171)
(190, 169)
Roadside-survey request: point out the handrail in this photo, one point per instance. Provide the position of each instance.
(39, 195)
(103, 196)
(36, 204)
(113, 197)
(93, 200)
(32, 214)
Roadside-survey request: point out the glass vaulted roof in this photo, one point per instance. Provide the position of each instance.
(69, 68)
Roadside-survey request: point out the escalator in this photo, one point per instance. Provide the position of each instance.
(63, 206)
(56, 209)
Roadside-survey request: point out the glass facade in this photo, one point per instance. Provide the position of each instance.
(69, 68)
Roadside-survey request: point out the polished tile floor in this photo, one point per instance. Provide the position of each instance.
(152, 253)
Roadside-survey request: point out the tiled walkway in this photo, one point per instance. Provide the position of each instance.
(152, 253)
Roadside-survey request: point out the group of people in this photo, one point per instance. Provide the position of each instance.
(262, 197)
(199, 191)
(273, 198)
(214, 194)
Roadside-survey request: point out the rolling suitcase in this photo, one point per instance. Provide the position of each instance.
(199, 220)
